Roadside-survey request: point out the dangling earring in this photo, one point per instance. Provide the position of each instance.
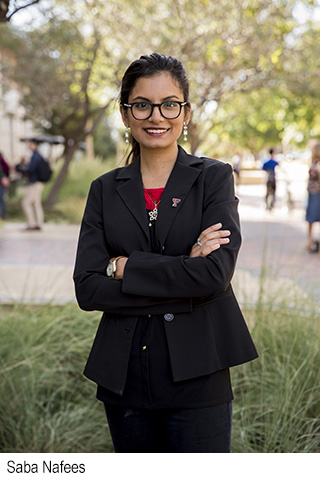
(185, 131)
(126, 134)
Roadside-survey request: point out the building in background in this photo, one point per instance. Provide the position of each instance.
(13, 126)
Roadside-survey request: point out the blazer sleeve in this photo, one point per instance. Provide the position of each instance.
(182, 276)
(94, 290)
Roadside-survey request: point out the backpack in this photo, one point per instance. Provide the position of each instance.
(44, 170)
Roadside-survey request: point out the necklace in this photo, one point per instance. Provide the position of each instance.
(154, 213)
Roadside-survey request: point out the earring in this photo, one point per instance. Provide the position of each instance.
(185, 131)
(126, 134)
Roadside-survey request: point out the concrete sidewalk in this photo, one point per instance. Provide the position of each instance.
(37, 266)
(274, 248)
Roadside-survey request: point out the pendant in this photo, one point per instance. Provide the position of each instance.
(153, 214)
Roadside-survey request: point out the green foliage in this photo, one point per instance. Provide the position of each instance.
(82, 172)
(74, 192)
(48, 406)
(77, 58)
(259, 120)
(72, 198)
(277, 406)
(104, 144)
(56, 69)
(243, 60)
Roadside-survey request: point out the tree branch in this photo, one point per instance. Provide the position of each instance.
(22, 7)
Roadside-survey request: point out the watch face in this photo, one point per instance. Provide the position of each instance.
(109, 269)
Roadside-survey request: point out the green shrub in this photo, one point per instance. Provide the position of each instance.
(277, 397)
(73, 193)
(48, 406)
(81, 173)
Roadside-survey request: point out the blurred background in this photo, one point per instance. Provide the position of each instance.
(254, 69)
(253, 66)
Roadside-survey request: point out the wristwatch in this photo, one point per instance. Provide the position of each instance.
(112, 267)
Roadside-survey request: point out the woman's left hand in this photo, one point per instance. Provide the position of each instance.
(210, 240)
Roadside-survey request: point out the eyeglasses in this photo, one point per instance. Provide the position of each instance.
(142, 110)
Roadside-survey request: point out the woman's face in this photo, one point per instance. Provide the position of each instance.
(156, 132)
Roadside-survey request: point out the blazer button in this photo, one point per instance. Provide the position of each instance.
(168, 317)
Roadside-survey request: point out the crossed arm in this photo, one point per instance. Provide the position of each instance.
(147, 280)
(210, 240)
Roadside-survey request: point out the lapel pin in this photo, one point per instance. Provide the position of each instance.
(175, 202)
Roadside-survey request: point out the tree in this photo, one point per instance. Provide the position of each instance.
(302, 74)
(58, 68)
(228, 47)
(10, 7)
(286, 109)
(70, 67)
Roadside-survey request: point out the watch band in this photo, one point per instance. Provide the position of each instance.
(113, 262)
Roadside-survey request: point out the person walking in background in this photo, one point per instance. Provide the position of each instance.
(31, 203)
(270, 167)
(313, 204)
(4, 184)
(157, 251)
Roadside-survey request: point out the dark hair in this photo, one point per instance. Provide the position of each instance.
(148, 66)
(271, 151)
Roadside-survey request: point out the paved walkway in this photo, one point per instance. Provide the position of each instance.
(274, 248)
(37, 267)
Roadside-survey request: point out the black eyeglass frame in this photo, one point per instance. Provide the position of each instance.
(153, 105)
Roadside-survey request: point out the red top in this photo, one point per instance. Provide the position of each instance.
(154, 195)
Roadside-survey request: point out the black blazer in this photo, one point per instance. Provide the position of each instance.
(204, 325)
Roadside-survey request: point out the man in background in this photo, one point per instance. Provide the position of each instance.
(31, 203)
(269, 166)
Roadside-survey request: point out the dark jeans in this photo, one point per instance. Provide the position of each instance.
(172, 430)
(270, 194)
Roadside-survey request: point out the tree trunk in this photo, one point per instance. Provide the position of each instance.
(85, 129)
(61, 177)
(89, 140)
(4, 7)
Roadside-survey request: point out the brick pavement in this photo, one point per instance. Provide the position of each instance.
(38, 266)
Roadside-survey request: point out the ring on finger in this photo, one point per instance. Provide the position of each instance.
(198, 242)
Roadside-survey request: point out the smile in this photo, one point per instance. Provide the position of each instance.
(156, 131)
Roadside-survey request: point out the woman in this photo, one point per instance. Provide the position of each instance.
(157, 250)
(313, 206)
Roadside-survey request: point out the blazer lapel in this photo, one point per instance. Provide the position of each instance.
(181, 179)
(131, 192)
(179, 184)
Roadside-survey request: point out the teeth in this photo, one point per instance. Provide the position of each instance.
(156, 131)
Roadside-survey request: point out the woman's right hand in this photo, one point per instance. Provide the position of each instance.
(210, 240)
